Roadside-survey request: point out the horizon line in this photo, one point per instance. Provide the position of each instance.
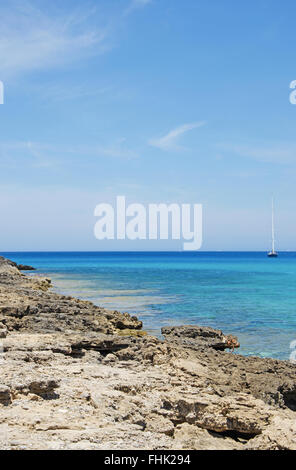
(144, 251)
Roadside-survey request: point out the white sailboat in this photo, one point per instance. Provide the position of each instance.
(272, 253)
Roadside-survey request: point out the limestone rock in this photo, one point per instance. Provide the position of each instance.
(5, 396)
(161, 425)
(3, 331)
(188, 436)
(280, 435)
(199, 338)
(241, 414)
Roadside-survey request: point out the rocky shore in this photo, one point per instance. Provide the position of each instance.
(77, 376)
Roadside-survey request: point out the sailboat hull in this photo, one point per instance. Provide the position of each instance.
(272, 255)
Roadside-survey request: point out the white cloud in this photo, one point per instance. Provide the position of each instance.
(168, 142)
(32, 40)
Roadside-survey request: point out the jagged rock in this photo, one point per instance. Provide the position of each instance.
(41, 283)
(5, 396)
(24, 308)
(8, 268)
(241, 414)
(4, 262)
(199, 337)
(24, 267)
(109, 359)
(44, 388)
(188, 436)
(100, 342)
(280, 435)
(161, 425)
(3, 331)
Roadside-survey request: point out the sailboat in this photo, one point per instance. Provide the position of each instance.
(272, 253)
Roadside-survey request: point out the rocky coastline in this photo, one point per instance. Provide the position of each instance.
(77, 376)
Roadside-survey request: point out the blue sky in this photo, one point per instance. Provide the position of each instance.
(159, 100)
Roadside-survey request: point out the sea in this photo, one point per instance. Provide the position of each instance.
(245, 294)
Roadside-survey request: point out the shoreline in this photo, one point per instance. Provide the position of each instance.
(246, 295)
(79, 376)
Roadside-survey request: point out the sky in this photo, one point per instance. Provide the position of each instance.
(163, 101)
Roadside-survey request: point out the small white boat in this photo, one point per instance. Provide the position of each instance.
(272, 253)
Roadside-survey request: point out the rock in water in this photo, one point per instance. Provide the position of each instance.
(24, 267)
(199, 337)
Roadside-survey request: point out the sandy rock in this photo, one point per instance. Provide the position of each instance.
(241, 414)
(109, 359)
(159, 424)
(3, 331)
(44, 388)
(188, 436)
(280, 435)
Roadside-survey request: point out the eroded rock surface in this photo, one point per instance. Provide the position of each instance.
(77, 376)
(199, 337)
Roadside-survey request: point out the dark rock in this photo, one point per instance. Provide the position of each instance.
(44, 388)
(24, 267)
(27, 306)
(102, 343)
(20, 267)
(4, 261)
(199, 337)
(5, 396)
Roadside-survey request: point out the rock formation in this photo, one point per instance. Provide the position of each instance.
(77, 376)
(199, 338)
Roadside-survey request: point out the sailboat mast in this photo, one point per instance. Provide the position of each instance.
(272, 225)
(272, 253)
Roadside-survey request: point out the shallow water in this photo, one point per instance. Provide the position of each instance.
(246, 294)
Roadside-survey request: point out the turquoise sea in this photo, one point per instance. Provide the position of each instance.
(246, 294)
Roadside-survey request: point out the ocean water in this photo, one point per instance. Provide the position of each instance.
(246, 294)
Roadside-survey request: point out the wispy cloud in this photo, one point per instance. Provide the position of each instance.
(168, 141)
(32, 40)
(52, 93)
(27, 154)
(140, 3)
(276, 153)
(119, 149)
(43, 155)
(134, 4)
